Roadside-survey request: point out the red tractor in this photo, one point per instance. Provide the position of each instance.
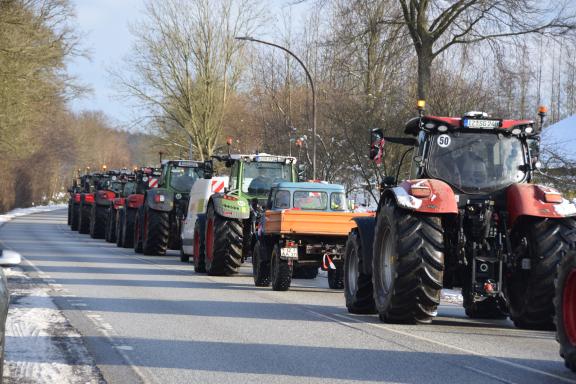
(127, 187)
(108, 188)
(145, 179)
(468, 217)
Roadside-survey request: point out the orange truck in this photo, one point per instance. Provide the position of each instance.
(304, 227)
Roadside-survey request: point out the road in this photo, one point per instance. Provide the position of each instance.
(153, 320)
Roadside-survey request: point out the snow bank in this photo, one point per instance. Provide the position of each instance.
(28, 211)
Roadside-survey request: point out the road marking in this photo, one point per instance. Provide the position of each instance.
(421, 338)
(124, 347)
(489, 375)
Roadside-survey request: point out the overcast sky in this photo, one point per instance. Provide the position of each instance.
(104, 24)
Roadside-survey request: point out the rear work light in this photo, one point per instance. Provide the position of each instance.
(89, 198)
(159, 198)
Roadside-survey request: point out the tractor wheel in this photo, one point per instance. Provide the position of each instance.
(156, 232)
(69, 212)
(129, 216)
(138, 230)
(531, 291)
(408, 265)
(305, 272)
(357, 285)
(280, 271)
(247, 237)
(84, 219)
(336, 277)
(223, 244)
(199, 246)
(261, 264)
(111, 226)
(119, 219)
(565, 305)
(75, 214)
(97, 221)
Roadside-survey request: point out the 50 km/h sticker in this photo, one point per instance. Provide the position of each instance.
(443, 141)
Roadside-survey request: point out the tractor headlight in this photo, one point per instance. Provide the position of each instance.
(442, 128)
(529, 130)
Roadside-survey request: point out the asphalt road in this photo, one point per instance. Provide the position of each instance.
(153, 320)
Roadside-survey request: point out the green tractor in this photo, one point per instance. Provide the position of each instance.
(159, 220)
(231, 216)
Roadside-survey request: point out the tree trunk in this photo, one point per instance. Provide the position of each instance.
(425, 58)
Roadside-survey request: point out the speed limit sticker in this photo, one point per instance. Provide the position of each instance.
(444, 141)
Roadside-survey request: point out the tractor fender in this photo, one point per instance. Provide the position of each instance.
(104, 198)
(135, 201)
(87, 198)
(231, 206)
(160, 199)
(439, 200)
(534, 200)
(365, 227)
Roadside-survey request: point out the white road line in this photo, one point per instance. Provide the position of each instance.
(421, 338)
(489, 375)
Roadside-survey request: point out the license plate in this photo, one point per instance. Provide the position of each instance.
(289, 253)
(482, 124)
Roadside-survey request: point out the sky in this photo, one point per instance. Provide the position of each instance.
(104, 25)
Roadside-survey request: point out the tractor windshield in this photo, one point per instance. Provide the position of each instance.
(259, 176)
(182, 178)
(476, 162)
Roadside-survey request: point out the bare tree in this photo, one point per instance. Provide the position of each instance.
(435, 26)
(186, 63)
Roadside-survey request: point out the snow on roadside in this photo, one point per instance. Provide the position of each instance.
(28, 211)
(41, 345)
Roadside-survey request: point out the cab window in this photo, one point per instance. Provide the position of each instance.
(310, 200)
(282, 200)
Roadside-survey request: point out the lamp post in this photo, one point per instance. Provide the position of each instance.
(248, 38)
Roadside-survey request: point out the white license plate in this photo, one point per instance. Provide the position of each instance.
(289, 253)
(471, 123)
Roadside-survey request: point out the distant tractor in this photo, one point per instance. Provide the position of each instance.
(128, 186)
(86, 200)
(230, 221)
(74, 202)
(467, 218)
(305, 226)
(144, 179)
(108, 188)
(159, 220)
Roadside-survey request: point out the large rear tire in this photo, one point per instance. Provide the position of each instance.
(565, 305)
(138, 232)
(199, 246)
(280, 271)
(97, 221)
(156, 231)
(531, 291)
(75, 215)
(70, 202)
(111, 225)
(261, 264)
(84, 218)
(128, 228)
(223, 244)
(408, 265)
(119, 225)
(358, 290)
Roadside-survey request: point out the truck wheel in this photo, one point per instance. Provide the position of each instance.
(305, 272)
(261, 264)
(137, 231)
(531, 291)
(336, 277)
(156, 231)
(565, 305)
(119, 224)
(75, 216)
(408, 265)
(97, 221)
(84, 220)
(280, 271)
(358, 290)
(199, 246)
(128, 228)
(223, 244)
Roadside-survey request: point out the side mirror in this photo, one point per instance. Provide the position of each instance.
(9, 258)
(376, 145)
(208, 169)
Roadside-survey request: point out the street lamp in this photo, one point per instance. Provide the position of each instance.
(248, 38)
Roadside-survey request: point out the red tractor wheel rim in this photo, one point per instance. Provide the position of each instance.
(569, 306)
(209, 238)
(196, 246)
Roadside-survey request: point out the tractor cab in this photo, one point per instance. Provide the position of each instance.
(180, 175)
